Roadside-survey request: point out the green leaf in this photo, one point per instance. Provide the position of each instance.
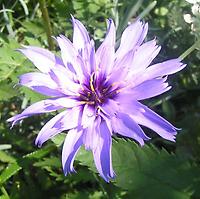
(5, 193)
(39, 153)
(147, 9)
(149, 172)
(146, 171)
(85, 158)
(5, 157)
(10, 59)
(35, 27)
(59, 139)
(51, 162)
(14, 167)
(10, 170)
(7, 91)
(168, 109)
(3, 197)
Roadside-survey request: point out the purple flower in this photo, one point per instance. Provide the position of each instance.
(99, 91)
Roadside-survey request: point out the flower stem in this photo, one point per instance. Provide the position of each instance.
(189, 50)
(3, 190)
(47, 23)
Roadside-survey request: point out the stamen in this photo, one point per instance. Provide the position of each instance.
(84, 97)
(93, 89)
(96, 96)
(121, 89)
(88, 94)
(82, 102)
(115, 83)
(91, 82)
(90, 103)
(98, 110)
(106, 89)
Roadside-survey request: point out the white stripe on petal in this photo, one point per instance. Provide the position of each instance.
(72, 144)
(165, 68)
(120, 128)
(65, 120)
(41, 83)
(106, 52)
(80, 35)
(143, 57)
(43, 106)
(51, 128)
(69, 55)
(132, 37)
(43, 59)
(102, 153)
(64, 83)
(152, 120)
(147, 89)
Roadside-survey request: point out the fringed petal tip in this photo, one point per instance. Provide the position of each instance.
(74, 20)
(171, 136)
(21, 50)
(138, 20)
(12, 124)
(108, 178)
(167, 89)
(10, 119)
(141, 140)
(72, 144)
(22, 47)
(72, 17)
(13, 120)
(109, 22)
(38, 142)
(68, 170)
(182, 66)
(147, 138)
(177, 129)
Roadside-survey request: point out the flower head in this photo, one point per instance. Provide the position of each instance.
(99, 91)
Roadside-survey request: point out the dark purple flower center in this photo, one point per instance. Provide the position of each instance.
(96, 91)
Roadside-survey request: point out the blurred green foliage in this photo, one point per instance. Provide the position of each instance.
(160, 169)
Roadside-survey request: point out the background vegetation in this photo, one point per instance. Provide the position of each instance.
(161, 169)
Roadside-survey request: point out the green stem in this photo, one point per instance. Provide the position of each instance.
(101, 185)
(3, 190)
(189, 50)
(147, 9)
(47, 23)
